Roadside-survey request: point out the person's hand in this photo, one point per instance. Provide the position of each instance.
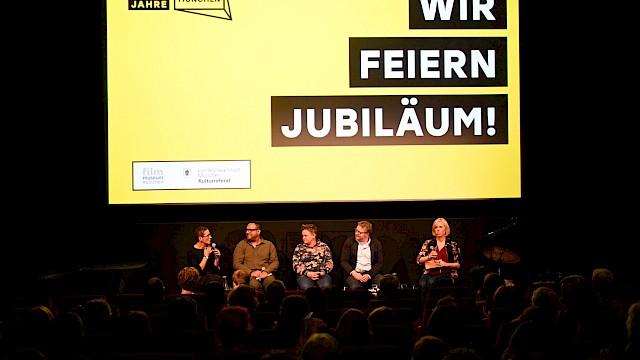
(256, 273)
(356, 275)
(365, 278)
(329, 266)
(208, 250)
(262, 274)
(216, 252)
(313, 275)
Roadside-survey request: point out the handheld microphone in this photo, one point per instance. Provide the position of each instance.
(213, 246)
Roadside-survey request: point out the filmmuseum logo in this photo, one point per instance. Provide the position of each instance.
(214, 8)
(152, 176)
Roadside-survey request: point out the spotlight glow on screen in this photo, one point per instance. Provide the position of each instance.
(254, 101)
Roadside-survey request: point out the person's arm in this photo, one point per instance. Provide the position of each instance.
(454, 252)
(422, 254)
(214, 262)
(196, 259)
(298, 266)
(203, 263)
(238, 258)
(345, 256)
(427, 257)
(452, 265)
(376, 267)
(274, 264)
(328, 259)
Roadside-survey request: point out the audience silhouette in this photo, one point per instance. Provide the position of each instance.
(274, 294)
(429, 347)
(316, 298)
(290, 323)
(586, 318)
(232, 328)
(353, 328)
(320, 346)
(244, 295)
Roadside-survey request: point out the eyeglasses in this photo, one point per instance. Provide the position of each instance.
(208, 235)
(250, 229)
(361, 232)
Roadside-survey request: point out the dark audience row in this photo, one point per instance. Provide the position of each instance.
(577, 318)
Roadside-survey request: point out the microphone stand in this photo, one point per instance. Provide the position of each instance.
(500, 260)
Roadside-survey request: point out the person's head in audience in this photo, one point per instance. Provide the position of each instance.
(353, 328)
(97, 316)
(316, 297)
(41, 314)
(214, 296)
(429, 347)
(37, 327)
(41, 318)
(531, 340)
(240, 276)
(490, 283)
(188, 279)
(533, 312)
(293, 310)
(462, 353)
(506, 297)
(27, 353)
(575, 293)
(477, 274)
(278, 355)
(134, 333)
(447, 322)
(232, 327)
(98, 307)
(388, 286)
(68, 334)
(290, 320)
(135, 324)
(448, 299)
(244, 295)
(320, 346)
(183, 313)
(603, 285)
(547, 299)
(632, 323)
(275, 292)
(334, 295)
(312, 325)
(69, 325)
(383, 315)
(155, 291)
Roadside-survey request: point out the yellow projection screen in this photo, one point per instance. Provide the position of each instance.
(288, 101)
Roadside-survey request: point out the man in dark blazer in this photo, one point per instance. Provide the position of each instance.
(362, 258)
